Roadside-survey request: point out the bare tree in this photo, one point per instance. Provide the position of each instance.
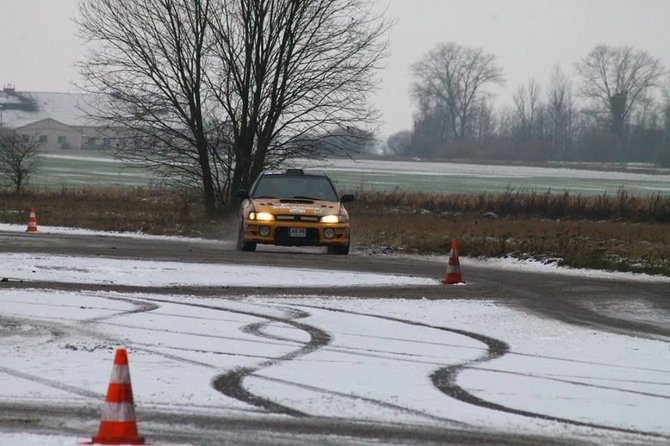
(485, 123)
(343, 140)
(210, 92)
(617, 80)
(18, 159)
(560, 113)
(289, 69)
(663, 156)
(400, 143)
(666, 113)
(527, 102)
(149, 60)
(454, 77)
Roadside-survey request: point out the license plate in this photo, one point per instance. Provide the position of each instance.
(297, 232)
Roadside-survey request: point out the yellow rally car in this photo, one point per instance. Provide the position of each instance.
(294, 208)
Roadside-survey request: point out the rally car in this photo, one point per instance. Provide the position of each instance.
(294, 208)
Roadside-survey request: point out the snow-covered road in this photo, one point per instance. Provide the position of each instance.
(447, 364)
(375, 360)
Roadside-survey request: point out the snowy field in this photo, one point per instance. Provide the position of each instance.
(378, 360)
(58, 170)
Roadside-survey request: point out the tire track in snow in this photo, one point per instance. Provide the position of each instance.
(232, 382)
(10, 326)
(140, 307)
(275, 340)
(581, 315)
(51, 383)
(363, 398)
(270, 405)
(231, 385)
(576, 383)
(257, 329)
(445, 379)
(60, 330)
(412, 358)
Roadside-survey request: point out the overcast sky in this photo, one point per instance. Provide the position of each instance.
(529, 37)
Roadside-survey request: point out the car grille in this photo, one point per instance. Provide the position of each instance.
(306, 218)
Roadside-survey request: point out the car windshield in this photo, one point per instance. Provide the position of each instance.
(295, 186)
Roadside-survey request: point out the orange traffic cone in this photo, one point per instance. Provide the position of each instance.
(32, 221)
(453, 274)
(118, 425)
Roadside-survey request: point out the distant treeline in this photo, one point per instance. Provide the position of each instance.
(615, 108)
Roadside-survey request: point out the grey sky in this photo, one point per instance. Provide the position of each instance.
(529, 37)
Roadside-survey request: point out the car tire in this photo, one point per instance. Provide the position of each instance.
(241, 244)
(339, 250)
(249, 247)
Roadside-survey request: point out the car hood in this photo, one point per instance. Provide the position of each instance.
(292, 206)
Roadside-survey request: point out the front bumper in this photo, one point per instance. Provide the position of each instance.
(280, 233)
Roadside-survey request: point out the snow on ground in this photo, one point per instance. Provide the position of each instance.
(51, 268)
(21, 439)
(510, 263)
(430, 177)
(98, 159)
(57, 347)
(497, 263)
(376, 367)
(99, 270)
(431, 168)
(472, 170)
(6, 227)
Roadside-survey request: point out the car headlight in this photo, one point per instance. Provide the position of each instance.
(261, 216)
(342, 218)
(330, 219)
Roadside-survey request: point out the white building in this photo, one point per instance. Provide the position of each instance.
(57, 121)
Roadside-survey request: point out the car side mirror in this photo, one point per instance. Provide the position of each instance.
(242, 194)
(346, 198)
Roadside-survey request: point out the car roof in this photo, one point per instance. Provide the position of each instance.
(296, 172)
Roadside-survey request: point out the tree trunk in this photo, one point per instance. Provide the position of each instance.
(241, 178)
(617, 110)
(209, 196)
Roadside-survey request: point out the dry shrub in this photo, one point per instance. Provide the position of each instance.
(152, 211)
(621, 232)
(655, 208)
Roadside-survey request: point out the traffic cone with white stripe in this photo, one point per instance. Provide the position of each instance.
(118, 425)
(32, 221)
(453, 274)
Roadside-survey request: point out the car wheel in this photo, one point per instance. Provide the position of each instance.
(241, 244)
(339, 250)
(250, 247)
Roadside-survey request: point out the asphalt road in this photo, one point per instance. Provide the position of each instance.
(575, 300)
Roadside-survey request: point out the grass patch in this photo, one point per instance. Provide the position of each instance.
(619, 232)
(147, 210)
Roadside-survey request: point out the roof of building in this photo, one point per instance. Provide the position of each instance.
(21, 108)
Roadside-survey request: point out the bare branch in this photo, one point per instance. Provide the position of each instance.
(453, 78)
(617, 78)
(206, 89)
(18, 159)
